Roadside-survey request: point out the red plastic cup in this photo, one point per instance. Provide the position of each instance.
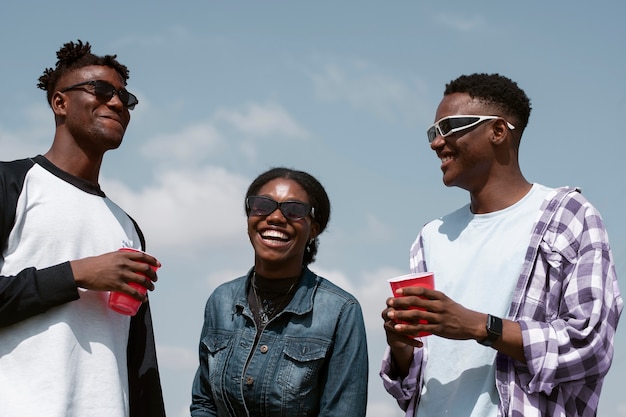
(124, 303)
(420, 279)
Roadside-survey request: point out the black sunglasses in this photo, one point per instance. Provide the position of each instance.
(105, 91)
(258, 205)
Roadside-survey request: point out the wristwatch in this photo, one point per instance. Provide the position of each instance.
(494, 330)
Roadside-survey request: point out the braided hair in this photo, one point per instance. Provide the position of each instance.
(72, 56)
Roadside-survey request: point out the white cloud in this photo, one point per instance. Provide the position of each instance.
(228, 132)
(183, 412)
(262, 121)
(366, 88)
(226, 275)
(248, 150)
(177, 358)
(172, 35)
(35, 137)
(187, 209)
(14, 147)
(460, 23)
(376, 229)
(192, 145)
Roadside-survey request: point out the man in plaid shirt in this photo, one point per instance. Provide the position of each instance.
(524, 270)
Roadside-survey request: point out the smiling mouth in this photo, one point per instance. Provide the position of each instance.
(274, 235)
(112, 116)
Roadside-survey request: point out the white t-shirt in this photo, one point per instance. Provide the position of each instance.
(477, 259)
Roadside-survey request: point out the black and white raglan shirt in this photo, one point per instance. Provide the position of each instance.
(63, 352)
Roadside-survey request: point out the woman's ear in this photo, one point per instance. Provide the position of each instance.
(315, 230)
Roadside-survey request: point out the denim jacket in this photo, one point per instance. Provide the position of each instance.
(310, 360)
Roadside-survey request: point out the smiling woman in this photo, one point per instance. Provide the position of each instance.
(282, 340)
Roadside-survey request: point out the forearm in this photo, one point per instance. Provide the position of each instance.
(405, 390)
(401, 360)
(34, 291)
(509, 343)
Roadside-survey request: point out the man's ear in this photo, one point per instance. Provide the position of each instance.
(499, 131)
(59, 103)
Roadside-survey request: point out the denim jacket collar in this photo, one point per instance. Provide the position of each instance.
(301, 303)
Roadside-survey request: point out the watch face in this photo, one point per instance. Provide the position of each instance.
(494, 330)
(494, 326)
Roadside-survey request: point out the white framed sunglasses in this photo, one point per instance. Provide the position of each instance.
(452, 124)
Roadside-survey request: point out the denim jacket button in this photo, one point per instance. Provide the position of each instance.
(249, 380)
(264, 349)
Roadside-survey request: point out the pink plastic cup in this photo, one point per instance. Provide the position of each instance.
(124, 303)
(420, 279)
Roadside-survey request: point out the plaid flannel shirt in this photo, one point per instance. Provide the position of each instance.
(567, 303)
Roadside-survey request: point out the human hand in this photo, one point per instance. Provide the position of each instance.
(400, 344)
(444, 317)
(113, 271)
(395, 338)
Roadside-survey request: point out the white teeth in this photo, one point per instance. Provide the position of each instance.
(274, 234)
(446, 158)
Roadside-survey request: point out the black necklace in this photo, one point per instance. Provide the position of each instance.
(267, 308)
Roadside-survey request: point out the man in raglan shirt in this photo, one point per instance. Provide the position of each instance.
(63, 352)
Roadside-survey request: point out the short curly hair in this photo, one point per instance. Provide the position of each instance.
(497, 91)
(315, 191)
(72, 56)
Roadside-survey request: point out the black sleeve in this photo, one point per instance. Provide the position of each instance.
(144, 382)
(146, 397)
(31, 291)
(12, 176)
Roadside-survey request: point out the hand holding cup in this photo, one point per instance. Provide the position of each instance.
(421, 279)
(125, 303)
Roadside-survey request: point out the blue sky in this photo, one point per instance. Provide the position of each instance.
(344, 90)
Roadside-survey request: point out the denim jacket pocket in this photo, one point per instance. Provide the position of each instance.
(217, 344)
(303, 360)
(216, 341)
